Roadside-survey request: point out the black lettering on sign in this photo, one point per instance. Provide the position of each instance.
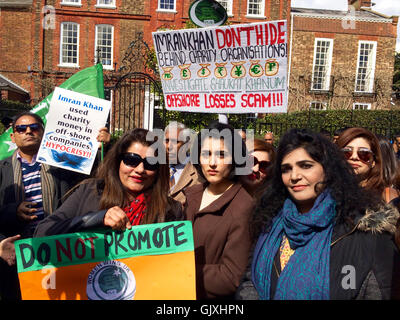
(177, 234)
(132, 241)
(144, 238)
(26, 263)
(43, 248)
(119, 236)
(108, 243)
(158, 239)
(166, 230)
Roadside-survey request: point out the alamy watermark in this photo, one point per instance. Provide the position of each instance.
(49, 17)
(234, 149)
(349, 280)
(349, 22)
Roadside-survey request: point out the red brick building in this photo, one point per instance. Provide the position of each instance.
(341, 59)
(42, 43)
(174, 13)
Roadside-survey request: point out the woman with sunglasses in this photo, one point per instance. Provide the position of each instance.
(320, 236)
(220, 210)
(361, 149)
(263, 155)
(130, 188)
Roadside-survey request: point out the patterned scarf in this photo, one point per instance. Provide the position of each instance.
(306, 275)
(137, 209)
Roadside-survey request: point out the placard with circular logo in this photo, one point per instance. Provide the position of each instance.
(207, 13)
(111, 280)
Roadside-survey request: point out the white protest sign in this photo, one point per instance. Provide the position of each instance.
(73, 123)
(229, 69)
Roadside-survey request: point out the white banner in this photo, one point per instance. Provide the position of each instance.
(230, 69)
(73, 123)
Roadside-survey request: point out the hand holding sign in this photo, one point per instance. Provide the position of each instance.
(117, 219)
(103, 136)
(7, 249)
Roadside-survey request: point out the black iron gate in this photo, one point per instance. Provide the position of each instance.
(135, 91)
(136, 103)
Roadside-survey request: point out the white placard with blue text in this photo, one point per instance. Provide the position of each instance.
(73, 123)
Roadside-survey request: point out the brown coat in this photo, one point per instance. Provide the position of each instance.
(221, 239)
(189, 177)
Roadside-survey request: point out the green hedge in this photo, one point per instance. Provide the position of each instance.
(383, 122)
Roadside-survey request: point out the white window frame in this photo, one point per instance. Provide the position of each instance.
(159, 9)
(70, 3)
(371, 67)
(367, 105)
(228, 8)
(64, 64)
(107, 67)
(328, 65)
(252, 15)
(321, 103)
(106, 6)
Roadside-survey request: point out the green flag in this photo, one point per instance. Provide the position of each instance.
(88, 81)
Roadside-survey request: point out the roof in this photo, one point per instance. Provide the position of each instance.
(16, 3)
(359, 15)
(7, 84)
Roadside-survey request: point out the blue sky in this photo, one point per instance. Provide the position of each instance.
(387, 7)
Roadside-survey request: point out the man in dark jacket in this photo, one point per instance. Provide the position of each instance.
(23, 201)
(29, 190)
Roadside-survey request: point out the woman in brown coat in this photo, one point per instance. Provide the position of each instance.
(220, 210)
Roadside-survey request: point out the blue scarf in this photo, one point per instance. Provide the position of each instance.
(306, 275)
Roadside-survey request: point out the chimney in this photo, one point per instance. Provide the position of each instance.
(366, 4)
(358, 4)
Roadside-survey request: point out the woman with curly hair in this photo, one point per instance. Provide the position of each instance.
(130, 188)
(321, 235)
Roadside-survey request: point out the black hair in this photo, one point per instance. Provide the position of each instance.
(389, 161)
(30, 114)
(325, 132)
(232, 140)
(344, 186)
(338, 132)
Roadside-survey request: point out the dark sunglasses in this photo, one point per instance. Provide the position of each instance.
(262, 165)
(35, 127)
(133, 160)
(364, 154)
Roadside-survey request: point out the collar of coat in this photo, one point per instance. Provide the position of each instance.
(381, 220)
(196, 193)
(376, 221)
(187, 176)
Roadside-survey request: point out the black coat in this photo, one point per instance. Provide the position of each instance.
(9, 224)
(364, 261)
(81, 211)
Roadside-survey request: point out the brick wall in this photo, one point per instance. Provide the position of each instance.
(344, 62)
(274, 10)
(15, 45)
(25, 44)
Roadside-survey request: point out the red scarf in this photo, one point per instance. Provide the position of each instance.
(137, 209)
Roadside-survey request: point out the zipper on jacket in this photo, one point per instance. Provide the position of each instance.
(345, 235)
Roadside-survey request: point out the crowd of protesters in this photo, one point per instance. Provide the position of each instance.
(309, 217)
